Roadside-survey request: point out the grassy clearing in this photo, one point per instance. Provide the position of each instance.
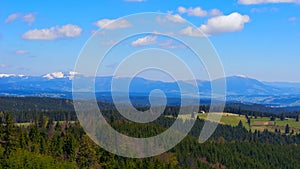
(29, 123)
(225, 118)
(233, 120)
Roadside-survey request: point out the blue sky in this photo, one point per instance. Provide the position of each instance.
(262, 41)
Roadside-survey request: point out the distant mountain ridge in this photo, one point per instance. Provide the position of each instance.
(239, 88)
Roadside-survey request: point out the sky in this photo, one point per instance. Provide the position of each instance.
(256, 38)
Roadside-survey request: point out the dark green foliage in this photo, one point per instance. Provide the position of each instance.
(69, 147)
(282, 116)
(273, 118)
(232, 147)
(287, 129)
(9, 136)
(46, 143)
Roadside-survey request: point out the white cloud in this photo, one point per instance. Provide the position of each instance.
(21, 52)
(163, 33)
(253, 2)
(12, 18)
(147, 40)
(3, 65)
(215, 12)
(292, 19)
(112, 23)
(219, 24)
(29, 18)
(169, 44)
(181, 9)
(190, 31)
(68, 30)
(197, 11)
(175, 18)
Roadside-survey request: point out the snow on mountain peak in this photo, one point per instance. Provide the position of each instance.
(60, 75)
(54, 75)
(7, 75)
(242, 76)
(72, 74)
(10, 75)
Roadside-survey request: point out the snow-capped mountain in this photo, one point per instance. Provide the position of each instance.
(10, 75)
(60, 75)
(239, 88)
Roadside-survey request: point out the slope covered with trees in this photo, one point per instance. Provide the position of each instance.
(48, 144)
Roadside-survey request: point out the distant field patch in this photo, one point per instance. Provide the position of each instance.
(263, 123)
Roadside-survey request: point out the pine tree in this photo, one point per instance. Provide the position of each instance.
(86, 155)
(69, 147)
(57, 146)
(9, 136)
(282, 116)
(1, 117)
(22, 139)
(287, 129)
(34, 135)
(272, 118)
(34, 132)
(249, 121)
(240, 125)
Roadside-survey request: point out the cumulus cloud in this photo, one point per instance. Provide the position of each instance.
(219, 24)
(12, 17)
(253, 2)
(113, 23)
(21, 52)
(215, 12)
(197, 11)
(29, 18)
(175, 18)
(147, 40)
(52, 33)
(190, 31)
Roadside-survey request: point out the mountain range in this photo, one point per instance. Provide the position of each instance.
(239, 88)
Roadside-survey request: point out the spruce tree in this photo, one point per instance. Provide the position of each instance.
(9, 136)
(287, 129)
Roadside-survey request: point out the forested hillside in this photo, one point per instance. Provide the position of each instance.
(49, 144)
(55, 139)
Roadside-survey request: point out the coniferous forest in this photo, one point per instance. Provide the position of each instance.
(39, 137)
